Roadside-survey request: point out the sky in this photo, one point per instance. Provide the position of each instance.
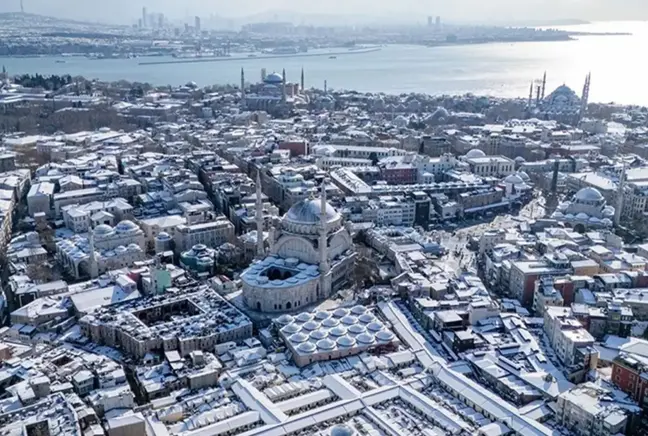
(128, 11)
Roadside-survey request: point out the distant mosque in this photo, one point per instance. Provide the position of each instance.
(274, 94)
(562, 105)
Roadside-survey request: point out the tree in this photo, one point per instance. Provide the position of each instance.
(374, 158)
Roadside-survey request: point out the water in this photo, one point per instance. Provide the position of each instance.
(506, 70)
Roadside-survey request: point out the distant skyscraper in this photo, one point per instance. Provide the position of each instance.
(144, 15)
(160, 21)
(197, 23)
(438, 21)
(22, 7)
(430, 21)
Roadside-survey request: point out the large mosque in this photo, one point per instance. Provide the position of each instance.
(273, 94)
(310, 257)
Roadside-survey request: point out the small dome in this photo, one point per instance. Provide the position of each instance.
(513, 179)
(341, 312)
(569, 216)
(606, 222)
(285, 319)
(588, 194)
(557, 215)
(330, 322)
(311, 325)
(375, 326)
(325, 344)
(306, 347)
(594, 220)
(582, 216)
(349, 320)
(357, 329)
(322, 315)
(318, 334)
(367, 318)
(338, 331)
(524, 176)
(304, 317)
(475, 153)
(126, 226)
(102, 229)
(384, 336)
(290, 329)
(519, 159)
(298, 338)
(365, 338)
(346, 341)
(358, 310)
(163, 236)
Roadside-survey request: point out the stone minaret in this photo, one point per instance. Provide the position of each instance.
(283, 87)
(259, 217)
(620, 197)
(302, 80)
(242, 87)
(323, 243)
(94, 268)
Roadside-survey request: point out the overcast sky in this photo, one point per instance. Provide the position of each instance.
(127, 11)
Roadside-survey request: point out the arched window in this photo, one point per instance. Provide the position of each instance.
(288, 305)
(258, 305)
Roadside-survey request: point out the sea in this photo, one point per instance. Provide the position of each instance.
(617, 64)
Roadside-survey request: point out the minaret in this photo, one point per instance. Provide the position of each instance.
(302, 80)
(620, 197)
(324, 265)
(242, 86)
(94, 268)
(259, 217)
(544, 85)
(283, 87)
(325, 87)
(530, 95)
(585, 97)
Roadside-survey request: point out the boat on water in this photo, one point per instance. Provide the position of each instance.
(59, 61)
(332, 57)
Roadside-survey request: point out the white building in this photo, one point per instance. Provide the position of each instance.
(80, 218)
(489, 166)
(39, 198)
(588, 208)
(212, 234)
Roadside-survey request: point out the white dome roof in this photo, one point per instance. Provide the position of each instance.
(385, 336)
(304, 317)
(582, 216)
(349, 320)
(357, 329)
(342, 430)
(308, 212)
(588, 194)
(298, 338)
(330, 322)
(306, 347)
(367, 318)
(365, 338)
(291, 328)
(311, 325)
(285, 319)
(557, 215)
(475, 153)
(126, 226)
(346, 341)
(375, 326)
(102, 229)
(325, 344)
(341, 312)
(322, 314)
(524, 176)
(318, 334)
(338, 331)
(514, 179)
(358, 310)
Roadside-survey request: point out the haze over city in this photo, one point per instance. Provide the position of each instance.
(125, 11)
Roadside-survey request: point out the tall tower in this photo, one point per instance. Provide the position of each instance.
(94, 268)
(144, 17)
(544, 84)
(242, 87)
(620, 197)
(302, 80)
(530, 95)
(259, 217)
(323, 243)
(22, 7)
(283, 86)
(585, 97)
(325, 87)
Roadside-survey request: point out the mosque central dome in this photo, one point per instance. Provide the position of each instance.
(274, 78)
(308, 212)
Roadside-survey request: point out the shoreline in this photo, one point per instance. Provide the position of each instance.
(234, 58)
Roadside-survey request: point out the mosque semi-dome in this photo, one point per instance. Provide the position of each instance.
(126, 226)
(273, 78)
(102, 229)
